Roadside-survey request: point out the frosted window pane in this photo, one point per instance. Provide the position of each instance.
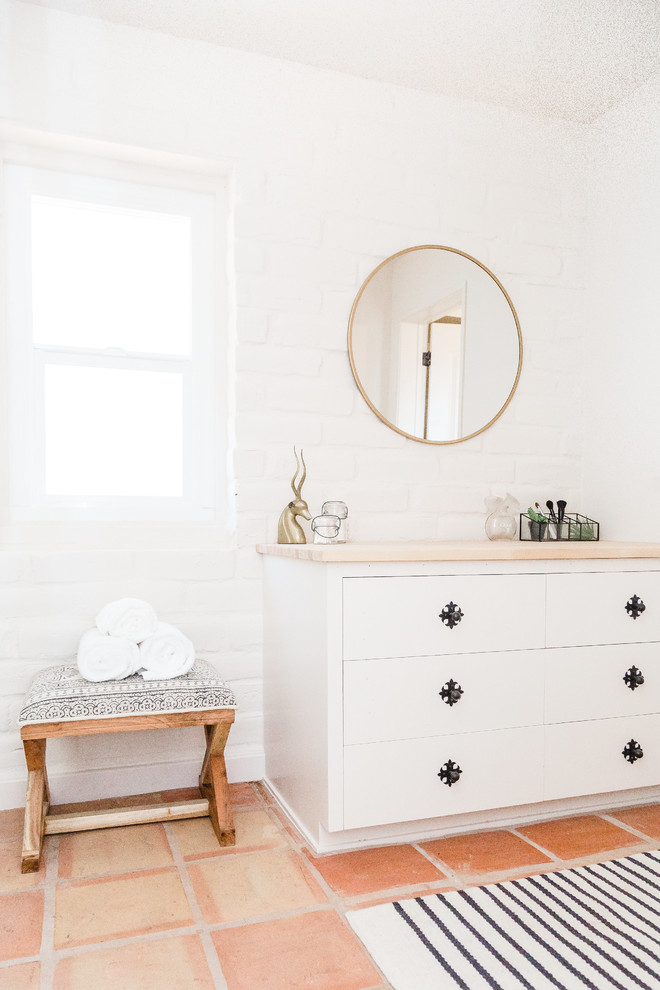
(113, 432)
(103, 276)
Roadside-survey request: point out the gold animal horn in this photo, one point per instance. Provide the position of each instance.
(304, 474)
(293, 480)
(296, 490)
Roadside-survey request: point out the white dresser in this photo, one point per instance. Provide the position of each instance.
(411, 690)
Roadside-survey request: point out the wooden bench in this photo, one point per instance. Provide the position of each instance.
(62, 703)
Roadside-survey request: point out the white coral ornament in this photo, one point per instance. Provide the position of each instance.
(502, 519)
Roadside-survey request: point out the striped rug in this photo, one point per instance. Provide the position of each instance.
(591, 927)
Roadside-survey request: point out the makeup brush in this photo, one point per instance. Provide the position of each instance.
(561, 508)
(551, 510)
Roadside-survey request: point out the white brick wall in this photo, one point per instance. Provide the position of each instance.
(331, 175)
(622, 344)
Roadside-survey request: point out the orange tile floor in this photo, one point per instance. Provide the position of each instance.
(162, 906)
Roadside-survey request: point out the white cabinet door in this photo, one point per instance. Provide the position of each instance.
(398, 781)
(585, 609)
(587, 757)
(402, 698)
(590, 682)
(401, 616)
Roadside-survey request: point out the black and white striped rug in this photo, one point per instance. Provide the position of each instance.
(592, 927)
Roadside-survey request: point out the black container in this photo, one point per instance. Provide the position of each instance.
(572, 527)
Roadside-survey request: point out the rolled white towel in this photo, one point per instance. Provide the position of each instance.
(167, 653)
(106, 658)
(128, 617)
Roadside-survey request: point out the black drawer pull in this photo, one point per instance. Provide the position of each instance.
(633, 751)
(450, 773)
(451, 615)
(635, 606)
(633, 677)
(451, 692)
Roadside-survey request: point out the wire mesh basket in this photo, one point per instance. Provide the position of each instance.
(572, 527)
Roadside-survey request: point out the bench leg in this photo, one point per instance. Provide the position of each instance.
(214, 785)
(37, 800)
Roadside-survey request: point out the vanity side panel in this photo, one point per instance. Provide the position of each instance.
(295, 687)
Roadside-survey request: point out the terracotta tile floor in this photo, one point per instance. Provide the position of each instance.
(156, 906)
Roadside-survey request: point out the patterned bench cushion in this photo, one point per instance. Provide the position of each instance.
(60, 693)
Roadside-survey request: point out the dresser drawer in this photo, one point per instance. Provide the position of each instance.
(596, 682)
(402, 698)
(398, 781)
(400, 616)
(587, 757)
(585, 609)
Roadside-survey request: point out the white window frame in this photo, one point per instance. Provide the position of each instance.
(42, 171)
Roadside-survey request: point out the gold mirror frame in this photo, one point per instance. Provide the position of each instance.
(374, 409)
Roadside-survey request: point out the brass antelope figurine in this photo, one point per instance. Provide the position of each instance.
(289, 529)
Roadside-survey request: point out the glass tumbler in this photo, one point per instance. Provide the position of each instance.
(326, 528)
(339, 509)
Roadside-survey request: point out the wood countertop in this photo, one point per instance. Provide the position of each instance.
(462, 550)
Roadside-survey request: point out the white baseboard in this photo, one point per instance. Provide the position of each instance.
(323, 842)
(87, 785)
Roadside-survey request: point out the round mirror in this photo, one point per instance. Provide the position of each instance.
(434, 344)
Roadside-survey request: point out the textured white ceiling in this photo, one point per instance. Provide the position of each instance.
(563, 58)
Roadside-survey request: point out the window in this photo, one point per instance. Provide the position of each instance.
(111, 358)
